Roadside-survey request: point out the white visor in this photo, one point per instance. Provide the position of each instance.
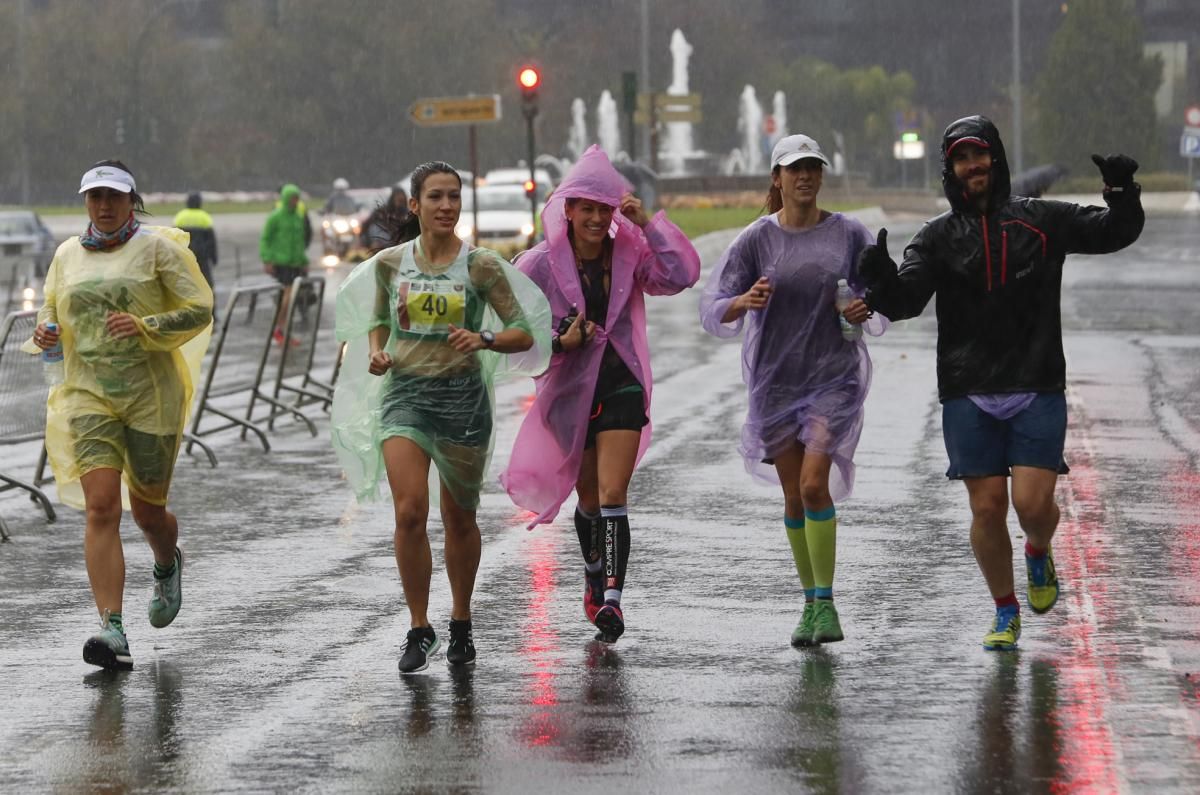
(107, 177)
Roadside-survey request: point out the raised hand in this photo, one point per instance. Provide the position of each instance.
(875, 265)
(1117, 170)
(631, 208)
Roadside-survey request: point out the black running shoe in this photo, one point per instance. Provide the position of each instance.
(419, 646)
(611, 623)
(461, 650)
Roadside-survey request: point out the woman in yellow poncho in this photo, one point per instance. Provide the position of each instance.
(433, 319)
(123, 299)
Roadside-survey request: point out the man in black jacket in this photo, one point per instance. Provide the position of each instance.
(995, 261)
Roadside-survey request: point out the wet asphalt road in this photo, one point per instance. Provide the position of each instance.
(280, 673)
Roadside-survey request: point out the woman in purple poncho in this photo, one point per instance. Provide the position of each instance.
(589, 425)
(807, 369)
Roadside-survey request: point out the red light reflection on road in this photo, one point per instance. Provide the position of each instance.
(539, 647)
(1088, 675)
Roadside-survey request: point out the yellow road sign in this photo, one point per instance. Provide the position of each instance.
(676, 101)
(441, 111)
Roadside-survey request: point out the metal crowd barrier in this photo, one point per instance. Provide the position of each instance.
(238, 363)
(23, 394)
(295, 359)
(337, 364)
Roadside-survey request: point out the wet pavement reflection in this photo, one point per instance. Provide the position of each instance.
(280, 673)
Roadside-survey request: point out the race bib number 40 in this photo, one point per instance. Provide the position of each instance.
(429, 307)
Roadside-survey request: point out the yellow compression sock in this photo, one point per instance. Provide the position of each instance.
(799, 544)
(820, 528)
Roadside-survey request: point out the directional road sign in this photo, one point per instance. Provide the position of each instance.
(668, 108)
(442, 111)
(1189, 142)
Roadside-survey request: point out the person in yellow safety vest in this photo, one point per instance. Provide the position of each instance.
(202, 238)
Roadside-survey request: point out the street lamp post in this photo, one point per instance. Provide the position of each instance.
(1018, 149)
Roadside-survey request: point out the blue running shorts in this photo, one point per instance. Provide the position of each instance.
(979, 445)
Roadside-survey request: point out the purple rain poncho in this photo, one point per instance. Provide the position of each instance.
(807, 383)
(658, 260)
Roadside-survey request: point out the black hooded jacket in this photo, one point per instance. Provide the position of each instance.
(998, 276)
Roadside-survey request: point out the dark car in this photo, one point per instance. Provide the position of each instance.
(23, 237)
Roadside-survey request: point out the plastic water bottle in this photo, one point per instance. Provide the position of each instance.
(844, 296)
(52, 360)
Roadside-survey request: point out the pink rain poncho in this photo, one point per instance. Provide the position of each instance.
(807, 383)
(658, 260)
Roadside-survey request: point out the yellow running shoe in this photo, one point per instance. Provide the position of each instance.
(1006, 629)
(1043, 582)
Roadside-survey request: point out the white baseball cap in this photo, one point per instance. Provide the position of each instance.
(796, 147)
(107, 177)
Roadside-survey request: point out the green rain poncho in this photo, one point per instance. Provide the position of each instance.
(124, 403)
(439, 398)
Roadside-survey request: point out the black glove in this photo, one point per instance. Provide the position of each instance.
(875, 267)
(1117, 171)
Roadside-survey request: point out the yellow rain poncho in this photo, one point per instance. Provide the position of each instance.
(124, 402)
(439, 398)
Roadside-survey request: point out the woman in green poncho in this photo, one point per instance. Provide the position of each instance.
(432, 318)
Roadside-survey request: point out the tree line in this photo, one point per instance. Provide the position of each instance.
(306, 91)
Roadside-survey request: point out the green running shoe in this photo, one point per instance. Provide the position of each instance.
(802, 635)
(109, 648)
(826, 626)
(1043, 582)
(1006, 629)
(168, 595)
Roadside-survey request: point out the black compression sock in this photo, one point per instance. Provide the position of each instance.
(588, 530)
(616, 550)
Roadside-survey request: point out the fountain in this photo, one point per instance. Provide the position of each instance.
(678, 145)
(606, 124)
(747, 158)
(779, 115)
(577, 140)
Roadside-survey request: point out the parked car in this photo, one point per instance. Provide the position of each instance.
(518, 176)
(505, 220)
(23, 236)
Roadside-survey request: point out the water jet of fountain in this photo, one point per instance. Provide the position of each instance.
(607, 130)
(577, 140)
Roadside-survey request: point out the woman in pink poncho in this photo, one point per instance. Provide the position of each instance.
(807, 369)
(589, 425)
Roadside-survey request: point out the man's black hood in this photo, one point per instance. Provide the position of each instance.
(982, 128)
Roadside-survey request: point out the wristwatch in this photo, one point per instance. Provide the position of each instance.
(488, 338)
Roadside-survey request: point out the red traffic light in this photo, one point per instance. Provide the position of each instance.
(529, 78)
(529, 187)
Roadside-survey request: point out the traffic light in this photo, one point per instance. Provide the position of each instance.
(529, 79)
(530, 188)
